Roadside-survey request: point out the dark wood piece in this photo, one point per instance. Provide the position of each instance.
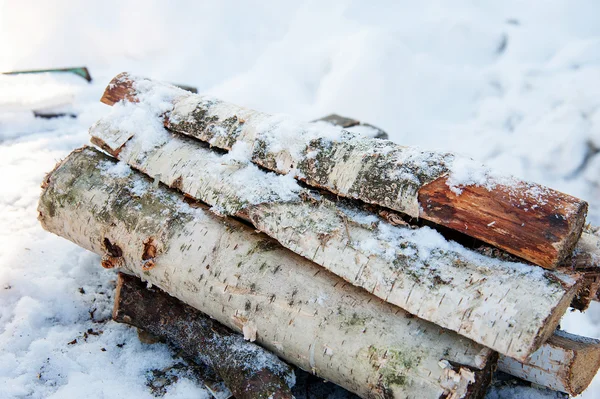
(514, 219)
(239, 363)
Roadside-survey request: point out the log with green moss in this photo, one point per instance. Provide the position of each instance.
(249, 371)
(248, 282)
(531, 221)
(413, 268)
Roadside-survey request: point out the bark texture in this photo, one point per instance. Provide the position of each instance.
(249, 371)
(586, 262)
(565, 363)
(534, 222)
(415, 269)
(246, 281)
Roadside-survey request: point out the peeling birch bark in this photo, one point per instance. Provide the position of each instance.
(248, 370)
(415, 269)
(565, 363)
(302, 313)
(533, 222)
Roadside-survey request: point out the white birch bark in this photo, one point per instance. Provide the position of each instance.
(509, 307)
(325, 156)
(565, 363)
(249, 283)
(531, 221)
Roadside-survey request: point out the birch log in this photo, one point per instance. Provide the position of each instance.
(415, 269)
(533, 222)
(586, 259)
(586, 262)
(297, 310)
(565, 363)
(248, 370)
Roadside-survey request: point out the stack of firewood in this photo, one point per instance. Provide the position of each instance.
(388, 270)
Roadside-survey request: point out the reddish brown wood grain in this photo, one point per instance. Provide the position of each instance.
(119, 88)
(543, 232)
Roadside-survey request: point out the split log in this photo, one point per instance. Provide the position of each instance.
(248, 370)
(565, 363)
(585, 260)
(415, 269)
(297, 310)
(531, 221)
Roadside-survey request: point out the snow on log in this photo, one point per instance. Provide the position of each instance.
(586, 255)
(588, 290)
(531, 221)
(249, 371)
(565, 363)
(415, 269)
(586, 262)
(248, 282)
(505, 386)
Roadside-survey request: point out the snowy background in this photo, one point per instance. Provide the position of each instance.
(514, 84)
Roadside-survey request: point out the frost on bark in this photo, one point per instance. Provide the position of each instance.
(565, 363)
(533, 222)
(249, 283)
(415, 269)
(249, 371)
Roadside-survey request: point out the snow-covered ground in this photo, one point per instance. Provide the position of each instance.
(514, 84)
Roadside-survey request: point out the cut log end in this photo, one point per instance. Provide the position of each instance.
(565, 363)
(530, 221)
(583, 370)
(587, 293)
(120, 88)
(553, 320)
(576, 223)
(543, 232)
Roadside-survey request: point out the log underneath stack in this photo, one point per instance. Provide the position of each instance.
(249, 371)
(295, 309)
(478, 297)
(565, 363)
(533, 222)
